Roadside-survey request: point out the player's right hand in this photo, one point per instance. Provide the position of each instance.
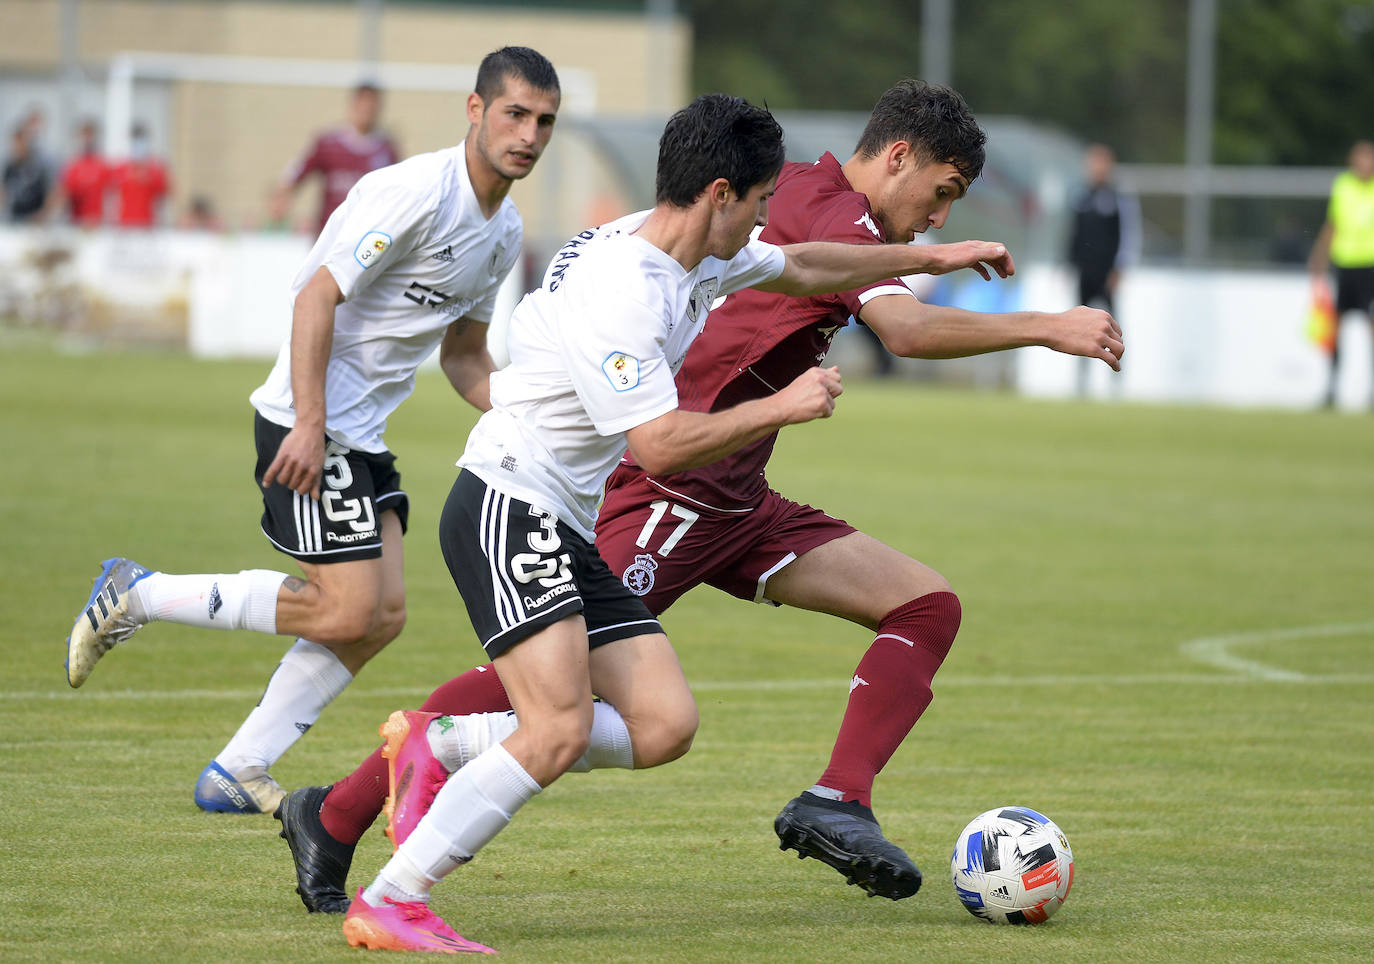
(299, 463)
(1090, 332)
(811, 395)
(978, 255)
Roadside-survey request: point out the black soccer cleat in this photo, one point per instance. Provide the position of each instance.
(321, 861)
(846, 835)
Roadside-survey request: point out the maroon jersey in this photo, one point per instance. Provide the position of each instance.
(85, 180)
(341, 156)
(757, 342)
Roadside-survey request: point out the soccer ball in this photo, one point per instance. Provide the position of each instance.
(1012, 866)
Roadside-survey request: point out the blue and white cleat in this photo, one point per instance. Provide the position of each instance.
(106, 620)
(254, 791)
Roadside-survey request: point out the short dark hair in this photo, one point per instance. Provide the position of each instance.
(529, 65)
(936, 122)
(366, 87)
(716, 136)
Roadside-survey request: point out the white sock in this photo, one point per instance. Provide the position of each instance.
(473, 807)
(610, 742)
(409, 883)
(240, 600)
(458, 740)
(308, 678)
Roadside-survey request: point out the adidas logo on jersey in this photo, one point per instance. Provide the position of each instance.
(445, 255)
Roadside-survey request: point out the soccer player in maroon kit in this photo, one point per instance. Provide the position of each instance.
(340, 156)
(722, 525)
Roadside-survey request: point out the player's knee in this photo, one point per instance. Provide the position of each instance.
(565, 746)
(932, 618)
(552, 742)
(930, 581)
(343, 624)
(391, 619)
(667, 736)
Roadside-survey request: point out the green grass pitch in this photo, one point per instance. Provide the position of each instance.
(1166, 647)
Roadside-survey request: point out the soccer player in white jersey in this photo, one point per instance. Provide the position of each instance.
(411, 261)
(593, 354)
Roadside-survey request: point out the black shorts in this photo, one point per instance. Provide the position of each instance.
(344, 523)
(519, 571)
(1354, 290)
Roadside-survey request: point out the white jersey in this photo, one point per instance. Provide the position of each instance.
(593, 354)
(412, 253)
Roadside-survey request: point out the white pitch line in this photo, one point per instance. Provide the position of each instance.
(1216, 650)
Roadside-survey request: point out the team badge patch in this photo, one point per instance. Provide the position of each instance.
(371, 248)
(622, 371)
(639, 576)
(497, 253)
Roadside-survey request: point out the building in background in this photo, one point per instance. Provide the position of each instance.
(230, 88)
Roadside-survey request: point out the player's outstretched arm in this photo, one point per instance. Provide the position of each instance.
(820, 267)
(464, 358)
(300, 459)
(678, 440)
(912, 329)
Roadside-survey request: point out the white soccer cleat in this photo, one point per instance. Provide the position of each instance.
(106, 621)
(252, 791)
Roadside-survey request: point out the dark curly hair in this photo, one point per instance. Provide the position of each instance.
(934, 120)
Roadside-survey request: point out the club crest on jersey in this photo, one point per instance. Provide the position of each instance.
(701, 298)
(622, 371)
(639, 576)
(371, 248)
(497, 253)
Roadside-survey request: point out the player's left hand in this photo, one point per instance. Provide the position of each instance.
(978, 255)
(1089, 332)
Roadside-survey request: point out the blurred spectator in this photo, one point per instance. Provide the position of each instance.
(1106, 235)
(1346, 241)
(85, 179)
(340, 156)
(140, 183)
(27, 179)
(201, 216)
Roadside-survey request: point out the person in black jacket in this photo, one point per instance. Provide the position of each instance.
(1104, 236)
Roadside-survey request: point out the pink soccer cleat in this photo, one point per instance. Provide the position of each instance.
(416, 776)
(403, 925)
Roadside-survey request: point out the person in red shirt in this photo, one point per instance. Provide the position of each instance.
(140, 184)
(86, 178)
(723, 525)
(340, 156)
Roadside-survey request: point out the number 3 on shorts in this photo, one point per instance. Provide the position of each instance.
(657, 510)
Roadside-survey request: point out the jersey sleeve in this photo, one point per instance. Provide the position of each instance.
(385, 223)
(618, 367)
(854, 224)
(757, 262)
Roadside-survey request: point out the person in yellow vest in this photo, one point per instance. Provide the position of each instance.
(1346, 242)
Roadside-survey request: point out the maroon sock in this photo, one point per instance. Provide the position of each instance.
(890, 691)
(356, 800)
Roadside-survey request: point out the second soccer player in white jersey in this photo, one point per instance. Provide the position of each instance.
(411, 261)
(593, 354)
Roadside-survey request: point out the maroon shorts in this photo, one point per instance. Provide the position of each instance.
(660, 547)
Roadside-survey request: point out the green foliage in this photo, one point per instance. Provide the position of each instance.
(1215, 815)
(1293, 80)
(1291, 74)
